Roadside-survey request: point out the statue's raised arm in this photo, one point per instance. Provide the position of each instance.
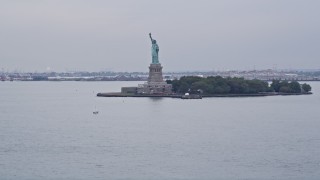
(150, 37)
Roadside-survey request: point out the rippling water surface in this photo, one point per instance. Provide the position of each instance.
(48, 131)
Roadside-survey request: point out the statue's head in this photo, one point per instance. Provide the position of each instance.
(154, 42)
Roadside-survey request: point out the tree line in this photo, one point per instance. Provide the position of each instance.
(233, 85)
(289, 87)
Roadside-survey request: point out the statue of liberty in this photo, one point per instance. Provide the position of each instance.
(155, 51)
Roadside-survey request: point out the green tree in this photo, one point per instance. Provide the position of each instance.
(223, 89)
(183, 88)
(201, 86)
(306, 87)
(295, 87)
(285, 89)
(276, 85)
(256, 86)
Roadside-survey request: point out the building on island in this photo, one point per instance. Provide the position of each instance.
(155, 83)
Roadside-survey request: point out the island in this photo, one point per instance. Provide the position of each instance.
(195, 87)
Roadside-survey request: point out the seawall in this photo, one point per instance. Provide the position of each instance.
(118, 94)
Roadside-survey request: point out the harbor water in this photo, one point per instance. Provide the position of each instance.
(48, 131)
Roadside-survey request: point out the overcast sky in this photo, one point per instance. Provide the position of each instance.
(95, 35)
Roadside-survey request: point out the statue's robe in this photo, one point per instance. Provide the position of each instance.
(155, 56)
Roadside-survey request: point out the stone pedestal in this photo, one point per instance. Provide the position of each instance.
(155, 84)
(155, 73)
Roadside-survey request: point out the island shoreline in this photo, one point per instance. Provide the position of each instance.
(119, 94)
